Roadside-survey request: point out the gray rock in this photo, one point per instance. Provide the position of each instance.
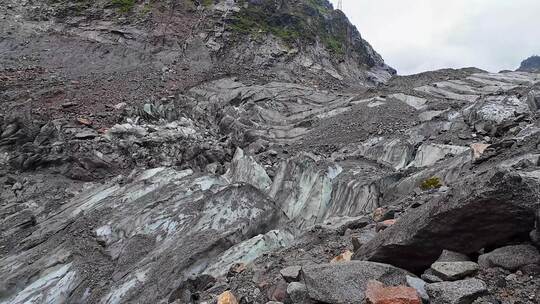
(430, 277)
(533, 100)
(452, 271)
(343, 223)
(535, 234)
(451, 256)
(535, 238)
(510, 257)
(297, 292)
(212, 168)
(419, 285)
(493, 112)
(458, 292)
(86, 134)
(17, 186)
(362, 237)
(429, 154)
(345, 282)
(479, 211)
(489, 299)
(291, 273)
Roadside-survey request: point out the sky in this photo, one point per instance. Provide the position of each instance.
(420, 35)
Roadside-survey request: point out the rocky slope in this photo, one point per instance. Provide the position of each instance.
(142, 162)
(531, 64)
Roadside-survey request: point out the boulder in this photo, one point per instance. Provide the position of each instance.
(419, 285)
(429, 277)
(493, 114)
(535, 234)
(485, 209)
(384, 213)
(227, 298)
(533, 101)
(478, 150)
(429, 154)
(510, 257)
(377, 293)
(346, 282)
(452, 271)
(297, 292)
(458, 292)
(245, 169)
(291, 273)
(384, 224)
(344, 257)
(86, 134)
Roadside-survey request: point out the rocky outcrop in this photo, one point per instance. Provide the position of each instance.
(531, 64)
(501, 203)
(208, 221)
(240, 151)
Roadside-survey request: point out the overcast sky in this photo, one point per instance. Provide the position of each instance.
(419, 35)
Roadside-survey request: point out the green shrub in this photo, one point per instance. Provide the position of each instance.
(306, 23)
(124, 6)
(431, 183)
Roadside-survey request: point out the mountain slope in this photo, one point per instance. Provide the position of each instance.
(531, 64)
(169, 151)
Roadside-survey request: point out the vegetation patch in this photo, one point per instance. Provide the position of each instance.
(431, 183)
(294, 22)
(124, 6)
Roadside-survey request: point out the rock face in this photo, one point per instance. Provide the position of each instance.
(224, 223)
(346, 282)
(501, 208)
(531, 64)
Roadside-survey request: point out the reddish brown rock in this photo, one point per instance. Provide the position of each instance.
(344, 257)
(278, 292)
(377, 293)
(385, 224)
(227, 298)
(378, 214)
(478, 149)
(84, 121)
(237, 268)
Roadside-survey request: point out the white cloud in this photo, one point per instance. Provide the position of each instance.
(419, 35)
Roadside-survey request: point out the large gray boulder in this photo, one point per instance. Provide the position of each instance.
(482, 210)
(510, 257)
(344, 283)
(494, 114)
(459, 292)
